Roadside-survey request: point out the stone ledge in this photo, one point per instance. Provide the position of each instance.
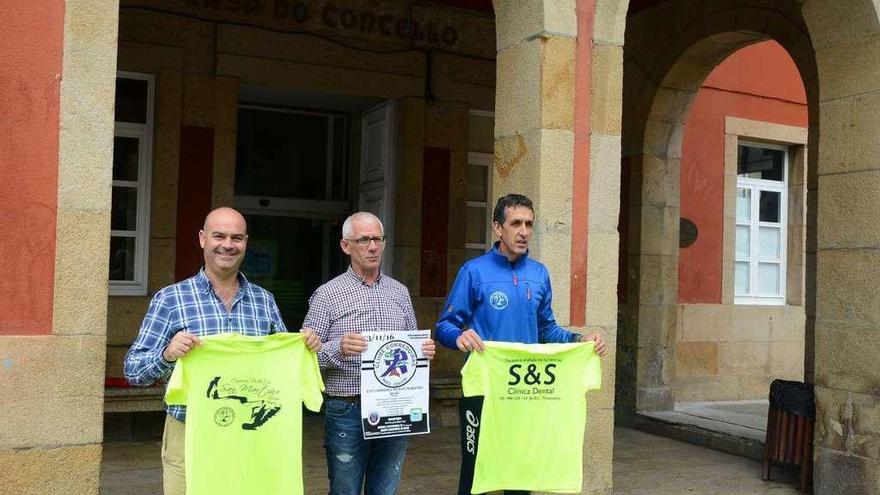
(684, 430)
(134, 399)
(446, 387)
(445, 396)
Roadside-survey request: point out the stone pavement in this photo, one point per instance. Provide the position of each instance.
(643, 464)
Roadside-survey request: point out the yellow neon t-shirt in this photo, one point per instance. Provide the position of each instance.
(243, 399)
(531, 426)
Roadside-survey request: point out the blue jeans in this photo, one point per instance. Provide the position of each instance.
(353, 462)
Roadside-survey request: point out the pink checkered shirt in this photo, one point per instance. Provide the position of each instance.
(346, 304)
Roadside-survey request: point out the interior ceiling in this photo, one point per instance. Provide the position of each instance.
(480, 5)
(638, 5)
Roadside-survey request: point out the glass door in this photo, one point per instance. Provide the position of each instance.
(292, 186)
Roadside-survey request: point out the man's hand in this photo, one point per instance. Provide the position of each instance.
(428, 348)
(469, 341)
(313, 342)
(180, 345)
(352, 344)
(597, 339)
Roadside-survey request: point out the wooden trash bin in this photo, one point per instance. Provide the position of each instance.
(790, 421)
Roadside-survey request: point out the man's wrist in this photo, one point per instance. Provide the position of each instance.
(165, 362)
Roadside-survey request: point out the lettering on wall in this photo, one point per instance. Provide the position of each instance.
(342, 19)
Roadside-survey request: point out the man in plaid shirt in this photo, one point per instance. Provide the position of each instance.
(360, 300)
(218, 299)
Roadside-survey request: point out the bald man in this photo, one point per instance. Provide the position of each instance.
(218, 299)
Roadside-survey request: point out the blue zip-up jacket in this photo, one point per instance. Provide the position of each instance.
(502, 301)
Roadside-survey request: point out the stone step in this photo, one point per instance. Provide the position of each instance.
(717, 435)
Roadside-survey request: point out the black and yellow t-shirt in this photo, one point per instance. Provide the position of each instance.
(244, 399)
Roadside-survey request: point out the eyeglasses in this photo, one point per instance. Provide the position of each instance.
(365, 241)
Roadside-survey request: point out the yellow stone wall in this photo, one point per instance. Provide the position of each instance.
(733, 352)
(201, 58)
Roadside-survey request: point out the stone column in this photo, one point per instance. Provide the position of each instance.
(846, 35)
(603, 101)
(535, 134)
(534, 125)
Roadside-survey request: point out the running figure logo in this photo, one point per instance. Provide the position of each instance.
(395, 363)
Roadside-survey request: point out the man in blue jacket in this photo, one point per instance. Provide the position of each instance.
(505, 296)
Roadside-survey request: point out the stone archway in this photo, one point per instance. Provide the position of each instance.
(835, 45)
(663, 74)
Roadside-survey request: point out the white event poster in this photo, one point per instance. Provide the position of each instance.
(394, 384)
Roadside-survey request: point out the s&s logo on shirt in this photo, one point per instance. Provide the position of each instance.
(498, 300)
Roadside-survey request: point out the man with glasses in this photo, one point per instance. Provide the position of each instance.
(360, 300)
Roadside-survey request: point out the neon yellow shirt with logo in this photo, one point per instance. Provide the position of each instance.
(243, 398)
(531, 426)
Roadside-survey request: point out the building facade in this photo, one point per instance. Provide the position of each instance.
(124, 122)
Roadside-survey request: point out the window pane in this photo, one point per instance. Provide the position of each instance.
(476, 183)
(768, 279)
(743, 239)
(281, 154)
(741, 278)
(122, 258)
(475, 231)
(743, 205)
(768, 243)
(131, 100)
(481, 134)
(472, 253)
(123, 216)
(760, 163)
(339, 188)
(769, 206)
(125, 158)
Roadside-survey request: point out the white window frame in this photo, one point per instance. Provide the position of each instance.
(756, 186)
(482, 160)
(144, 133)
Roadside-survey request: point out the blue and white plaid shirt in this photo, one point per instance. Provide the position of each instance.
(191, 305)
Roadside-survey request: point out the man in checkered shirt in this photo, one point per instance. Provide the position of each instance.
(360, 300)
(218, 299)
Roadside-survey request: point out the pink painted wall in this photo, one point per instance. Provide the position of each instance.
(31, 43)
(759, 82)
